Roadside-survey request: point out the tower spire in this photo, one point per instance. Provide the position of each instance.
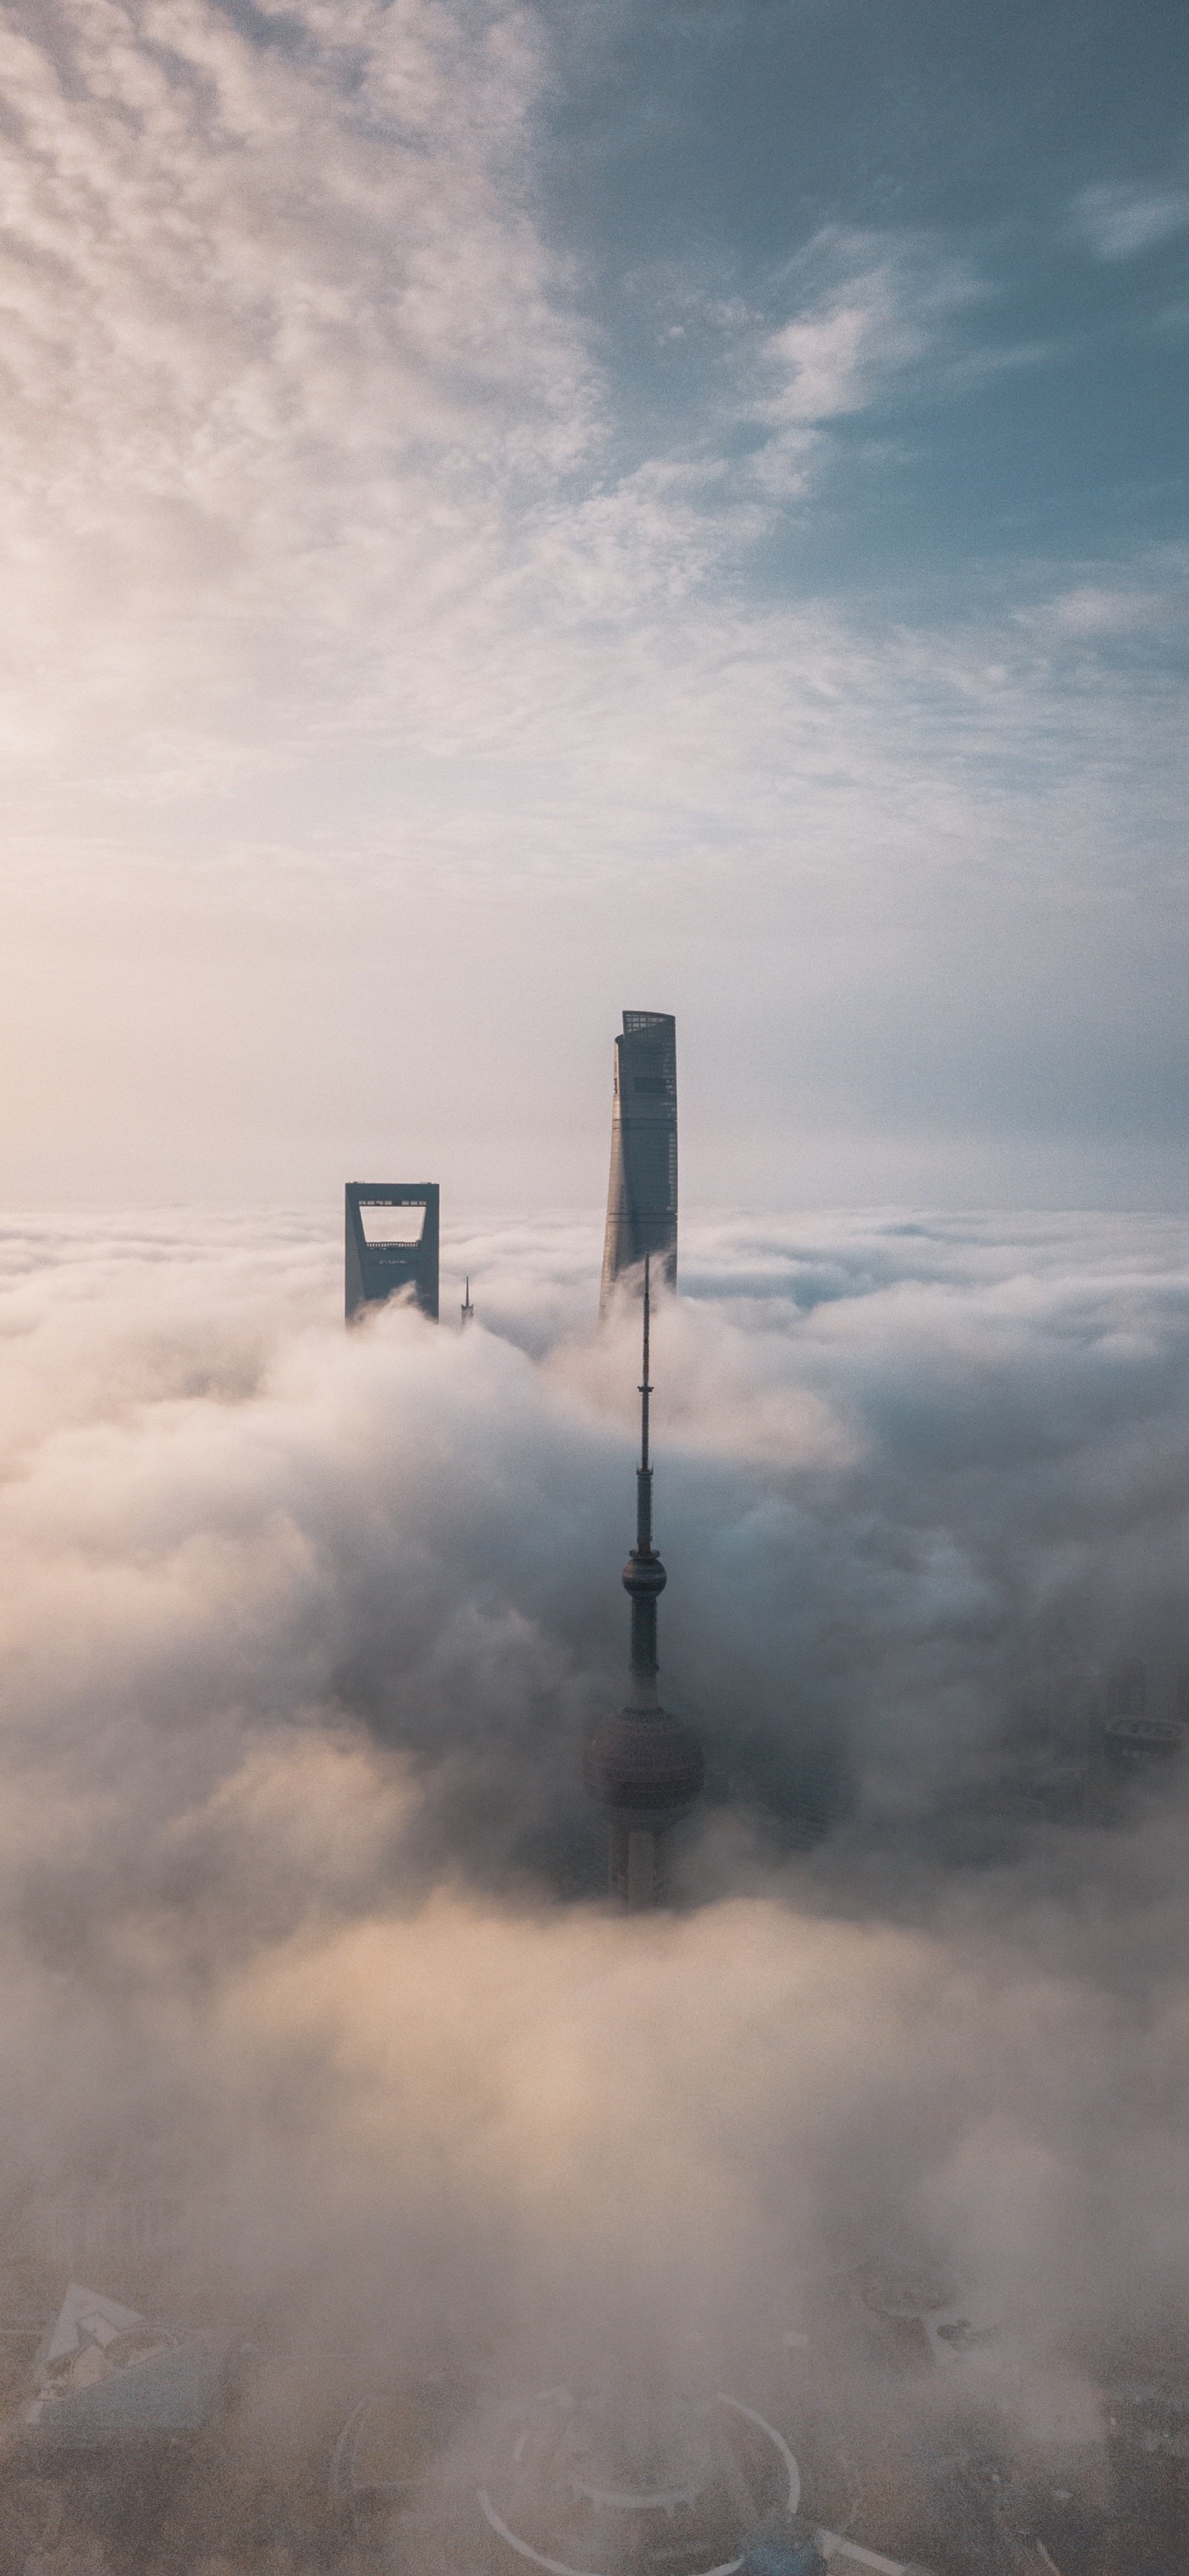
(643, 1766)
(644, 1576)
(644, 1487)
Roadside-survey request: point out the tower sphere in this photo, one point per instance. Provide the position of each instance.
(644, 1576)
(643, 1766)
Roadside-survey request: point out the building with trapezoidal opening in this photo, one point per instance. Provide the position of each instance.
(642, 1193)
(392, 1243)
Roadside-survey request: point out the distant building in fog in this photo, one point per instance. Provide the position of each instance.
(392, 1243)
(642, 1193)
(1135, 1736)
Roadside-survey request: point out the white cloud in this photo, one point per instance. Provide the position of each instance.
(870, 310)
(1119, 219)
(1101, 610)
(299, 1630)
(279, 326)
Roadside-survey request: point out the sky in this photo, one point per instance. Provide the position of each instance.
(516, 512)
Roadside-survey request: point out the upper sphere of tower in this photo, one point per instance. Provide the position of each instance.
(645, 1767)
(644, 1576)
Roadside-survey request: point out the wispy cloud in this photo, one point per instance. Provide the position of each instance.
(867, 311)
(344, 556)
(1118, 219)
(281, 329)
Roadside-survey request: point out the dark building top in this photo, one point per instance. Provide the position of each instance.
(392, 1243)
(642, 1192)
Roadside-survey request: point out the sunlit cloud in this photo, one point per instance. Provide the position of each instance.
(302, 1923)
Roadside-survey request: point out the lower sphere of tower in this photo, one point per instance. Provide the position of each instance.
(647, 1769)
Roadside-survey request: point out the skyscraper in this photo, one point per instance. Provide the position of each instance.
(644, 1768)
(642, 1193)
(392, 1243)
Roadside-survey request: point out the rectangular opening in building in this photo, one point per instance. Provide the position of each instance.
(391, 1221)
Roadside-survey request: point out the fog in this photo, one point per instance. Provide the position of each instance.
(302, 1913)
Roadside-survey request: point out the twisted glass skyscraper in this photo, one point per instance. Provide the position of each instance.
(642, 1194)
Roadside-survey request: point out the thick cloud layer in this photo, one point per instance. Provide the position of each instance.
(302, 1913)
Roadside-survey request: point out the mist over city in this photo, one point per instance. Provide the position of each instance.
(594, 1288)
(309, 1972)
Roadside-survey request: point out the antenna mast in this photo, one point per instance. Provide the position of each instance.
(644, 1471)
(643, 1766)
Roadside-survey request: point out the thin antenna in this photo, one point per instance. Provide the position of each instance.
(644, 1767)
(644, 1471)
(468, 1311)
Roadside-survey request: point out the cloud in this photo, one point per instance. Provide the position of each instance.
(911, 1468)
(308, 455)
(1093, 610)
(300, 1920)
(1118, 219)
(362, 601)
(870, 311)
(276, 305)
(217, 1504)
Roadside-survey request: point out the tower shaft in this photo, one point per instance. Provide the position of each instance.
(644, 1767)
(644, 1597)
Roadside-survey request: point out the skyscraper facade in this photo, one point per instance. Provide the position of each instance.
(391, 1243)
(642, 1193)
